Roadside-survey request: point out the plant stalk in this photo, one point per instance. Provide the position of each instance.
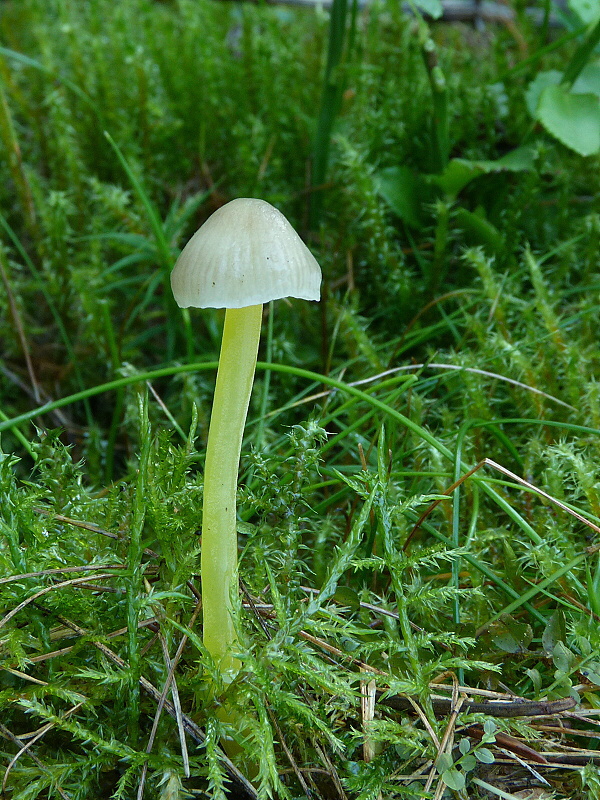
(218, 560)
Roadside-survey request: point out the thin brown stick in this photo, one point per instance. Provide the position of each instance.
(527, 765)
(62, 585)
(243, 785)
(22, 751)
(258, 616)
(553, 500)
(436, 685)
(487, 462)
(509, 743)
(88, 526)
(581, 606)
(295, 768)
(568, 731)
(504, 710)
(170, 684)
(368, 691)
(60, 571)
(332, 771)
(447, 739)
(8, 734)
(144, 623)
(329, 648)
(42, 732)
(24, 676)
(415, 368)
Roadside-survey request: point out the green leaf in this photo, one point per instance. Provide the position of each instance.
(592, 673)
(542, 80)
(574, 119)
(562, 657)
(512, 636)
(162, 246)
(554, 632)
(586, 10)
(479, 230)
(346, 596)
(593, 586)
(584, 646)
(582, 55)
(433, 8)
(511, 564)
(484, 755)
(461, 171)
(520, 159)
(536, 679)
(453, 779)
(444, 762)
(404, 192)
(468, 763)
(588, 81)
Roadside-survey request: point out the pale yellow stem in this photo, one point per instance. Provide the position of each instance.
(218, 561)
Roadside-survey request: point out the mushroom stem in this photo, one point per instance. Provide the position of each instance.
(235, 376)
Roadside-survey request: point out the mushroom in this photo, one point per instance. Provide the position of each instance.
(244, 255)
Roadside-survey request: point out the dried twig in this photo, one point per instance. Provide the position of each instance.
(368, 692)
(143, 623)
(170, 684)
(502, 710)
(24, 748)
(296, 769)
(60, 571)
(33, 597)
(88, 526)
(488, 462)
(241, 783)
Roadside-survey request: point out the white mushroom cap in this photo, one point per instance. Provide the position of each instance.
(246, 253)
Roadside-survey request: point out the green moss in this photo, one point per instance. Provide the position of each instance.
(467, 326)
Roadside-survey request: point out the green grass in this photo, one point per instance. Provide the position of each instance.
(458, 327)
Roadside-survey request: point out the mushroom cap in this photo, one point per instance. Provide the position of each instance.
(246, 253)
